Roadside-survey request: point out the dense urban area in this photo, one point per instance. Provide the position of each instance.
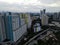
(30, 28)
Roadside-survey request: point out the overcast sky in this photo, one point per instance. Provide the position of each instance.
(29, 5)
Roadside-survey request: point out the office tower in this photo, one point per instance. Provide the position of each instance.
(59, 16)
(44, 10)
(55, 16)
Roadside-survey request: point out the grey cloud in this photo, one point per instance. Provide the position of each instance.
(26, 8)
(49, 1)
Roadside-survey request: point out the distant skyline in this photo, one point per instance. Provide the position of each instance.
(30, 5)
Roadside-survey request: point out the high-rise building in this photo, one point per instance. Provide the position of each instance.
(2, 28)
(44, 20)
(44, 10)
(55, 16)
